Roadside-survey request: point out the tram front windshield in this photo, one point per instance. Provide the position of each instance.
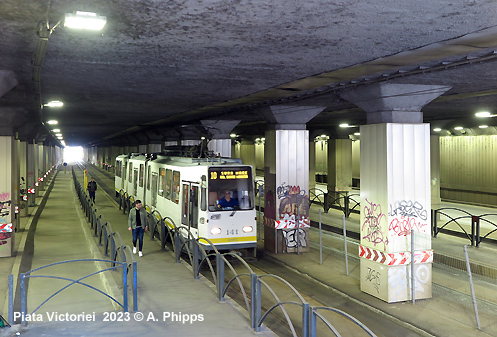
(231, 188)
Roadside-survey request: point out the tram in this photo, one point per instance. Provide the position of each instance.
(212, 197)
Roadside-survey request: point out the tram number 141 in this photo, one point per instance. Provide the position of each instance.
(232, 232)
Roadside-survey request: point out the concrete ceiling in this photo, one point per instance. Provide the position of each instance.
(160, 65)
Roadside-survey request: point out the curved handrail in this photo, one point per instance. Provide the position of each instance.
(286, 283)
(279, 304)
(74, 282)
(352, 318)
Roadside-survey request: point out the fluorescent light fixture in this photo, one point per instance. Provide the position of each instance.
(54, 104)
(58, 134)
(53, 122)
(437, 129)
(357, 134)
(483, 126)
(85, 20)
(233, 135)
(483, 114)
(56, 130)
(202, 138)
(344, 125)
(458, 128)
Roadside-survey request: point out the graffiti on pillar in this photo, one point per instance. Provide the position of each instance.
(409, 215)
(374, 277)
(293, 201)
(399, 282)
(4, 204)
(408, 209)
(294, 239)
(371, 228)
(3, 240)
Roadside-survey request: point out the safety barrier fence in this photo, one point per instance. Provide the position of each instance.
(111, 241)
(459, 217)
(200, 251)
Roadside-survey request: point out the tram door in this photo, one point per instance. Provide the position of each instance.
(190, 206)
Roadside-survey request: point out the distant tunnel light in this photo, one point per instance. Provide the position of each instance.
(458, 128)
(56, 104)
(85, 20)
(483, 126)
(437, 129)
(56, 130)
(52, 122)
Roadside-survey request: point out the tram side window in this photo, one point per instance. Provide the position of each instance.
(169, 181)
(149, 170)
(162, 181)
(176, 187)
(118, 168)
(154, 189)
(194, 199)
(130, 179)
(135, 181)
(125, 171)
(142, 170)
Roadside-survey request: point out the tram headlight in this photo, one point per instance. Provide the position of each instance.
(247, 229)
(216, 231)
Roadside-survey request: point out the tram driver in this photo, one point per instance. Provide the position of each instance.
(227, 202)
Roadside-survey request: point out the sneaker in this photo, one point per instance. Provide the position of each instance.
(134, 250)
(140, 254)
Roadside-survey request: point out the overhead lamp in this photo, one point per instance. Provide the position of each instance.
(345, 125)
(53, 122)
(56, 130)
(437, 129)
(458, 128)
(202, 138)
(483, 126)
(357, 134)
(58, 134)
(484, 114)
(233, 135)
(60, 137)
(85, 20)
(54, 104)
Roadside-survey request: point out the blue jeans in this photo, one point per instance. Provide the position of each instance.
(92, 195)
(138, 234)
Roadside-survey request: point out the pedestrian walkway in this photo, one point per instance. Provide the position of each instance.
(170, 301)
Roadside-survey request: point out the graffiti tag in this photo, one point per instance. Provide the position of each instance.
(408, 209)
(291, 237)
(284, 191)
(373, 276)
(4, 196)
(4, 208)
(373, 216)
(404, 226)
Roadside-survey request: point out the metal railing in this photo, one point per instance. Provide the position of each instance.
(114, 265)
(109, 239)
(456, 219)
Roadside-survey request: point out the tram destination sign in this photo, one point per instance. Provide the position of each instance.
(223, 174)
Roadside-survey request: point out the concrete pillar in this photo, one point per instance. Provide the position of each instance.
(395, 189)
(32, 159)
(23, 177)
(8, 179)
(142, 148)
(286, 176)
(339, 167)
(153, 148)
(312, 165)
(220, 130)
(436, 201)
(247, 152)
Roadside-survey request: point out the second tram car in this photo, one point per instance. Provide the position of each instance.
(213, 198)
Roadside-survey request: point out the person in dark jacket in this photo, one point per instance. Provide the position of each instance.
(92, 187)
(137, 224)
